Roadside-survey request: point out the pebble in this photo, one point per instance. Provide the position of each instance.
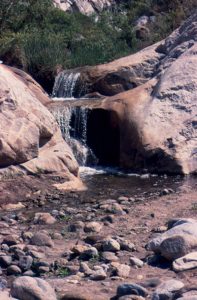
(44, 219)
(121, 270)
(13, 270)
(98, 275)
(131, 288)
(41, 239)
(134, 261)
(110, 245)
(93, 227)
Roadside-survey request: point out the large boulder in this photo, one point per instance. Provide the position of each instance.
(28, 288)
(176, 242)
(153, 98)
(30, 139)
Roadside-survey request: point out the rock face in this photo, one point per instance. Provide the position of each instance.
(30, 138)
(154, 102)
(86, 7)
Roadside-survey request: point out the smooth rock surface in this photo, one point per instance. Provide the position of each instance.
(28, 288)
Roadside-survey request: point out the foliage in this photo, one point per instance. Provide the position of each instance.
(39, 38)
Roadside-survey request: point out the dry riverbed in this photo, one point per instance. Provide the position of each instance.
(86, 244)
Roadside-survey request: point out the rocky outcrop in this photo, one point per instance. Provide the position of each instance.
(154, 98)
(30, 140)
(86, 7)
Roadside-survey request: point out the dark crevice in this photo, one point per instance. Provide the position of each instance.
(103, 136)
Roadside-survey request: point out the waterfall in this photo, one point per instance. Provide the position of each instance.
(66, 84)
(73, 125)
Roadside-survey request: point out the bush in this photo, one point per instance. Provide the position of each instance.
(39, 38)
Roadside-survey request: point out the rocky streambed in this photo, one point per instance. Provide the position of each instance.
(125, 237)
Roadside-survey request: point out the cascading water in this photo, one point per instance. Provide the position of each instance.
(67, 85)
(72, 119)
(73, 124)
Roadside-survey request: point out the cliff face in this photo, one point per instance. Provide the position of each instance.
(87, 7)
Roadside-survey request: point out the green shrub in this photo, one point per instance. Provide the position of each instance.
(37, 37)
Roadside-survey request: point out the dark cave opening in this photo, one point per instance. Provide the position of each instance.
(103, 136)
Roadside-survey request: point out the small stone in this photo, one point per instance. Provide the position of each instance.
(166, 289)
(5, 247)
(76, 227)
(79, 249)
(27, 235)
(109, 257)
(5, 261)
(121, 270)
(134, 261)
(131, 297)
(25, 262)
(41, 239)
(131, 289)
(111, 245)
(98, 275)
(89, 253)
(29, 273)
(26, 287)
(4, 295)
(93, 227)
(84, 268)
(44, 219)
(11, 239)
(13, 270)
(126, 245)
(123, 199)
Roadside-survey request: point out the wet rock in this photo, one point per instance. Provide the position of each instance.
(166, 289)
(121, 270)
(5, 261)
(44, 219)
(134, 261)
(13, 270)
(25, 262)
(41, 239)
(110, 245)
(25, 288)
(131, 289)
(93, 227)
(186, 262)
